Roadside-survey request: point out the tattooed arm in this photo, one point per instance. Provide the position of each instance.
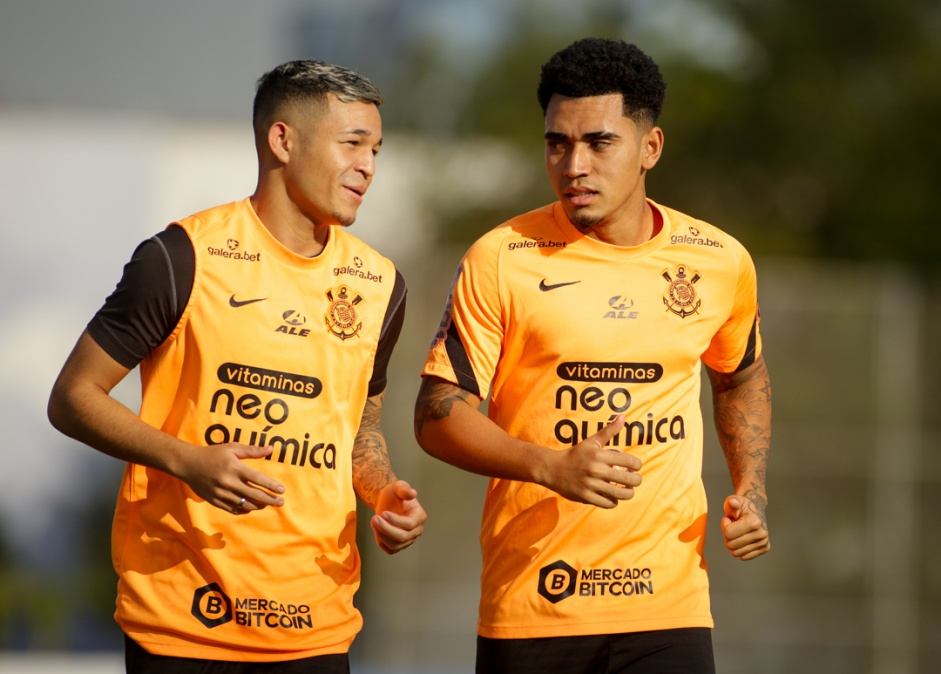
(399, 518)
(449, 426)
(742, 404)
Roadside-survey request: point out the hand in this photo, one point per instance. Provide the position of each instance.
(399, 517)
(219, 476)
(587, 473)
(745, 531)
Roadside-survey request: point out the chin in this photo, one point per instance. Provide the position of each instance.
(344, 220)
(584, 222)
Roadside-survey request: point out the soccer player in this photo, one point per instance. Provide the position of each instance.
(263, 331)
(586, 322)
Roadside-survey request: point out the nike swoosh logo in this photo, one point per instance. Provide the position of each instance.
(544, 287)
(235, 303)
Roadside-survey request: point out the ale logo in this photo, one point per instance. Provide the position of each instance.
(557, 581)
(211, 606)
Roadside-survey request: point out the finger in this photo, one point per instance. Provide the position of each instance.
(621, 460)
(751, 551)
(739, 540)
(250, 451)
(605, 434)
(404, 491)
(619, 493)
(603, 496)
(733, 506)
(236, 507)
(622, 477)
(406, 522)
(245, 504)
(262, 488)
(260, 497)
(756, 553)
(747, 523)
(392, 538)
(388, 547)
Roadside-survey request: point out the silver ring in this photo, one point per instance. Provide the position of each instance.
(242, 502)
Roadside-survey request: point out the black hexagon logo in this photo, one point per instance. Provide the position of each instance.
(557, 581)
(217, 609)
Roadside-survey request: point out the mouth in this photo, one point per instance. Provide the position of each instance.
(580, 196)
(357, 192)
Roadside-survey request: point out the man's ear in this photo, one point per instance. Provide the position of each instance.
(652, 147)
(281, 141)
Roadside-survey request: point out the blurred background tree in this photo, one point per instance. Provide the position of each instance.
(808, 127)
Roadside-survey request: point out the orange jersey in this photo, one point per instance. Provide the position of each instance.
(272, 349)
(566, 332)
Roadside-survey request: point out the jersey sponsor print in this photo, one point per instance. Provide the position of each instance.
(562, 338)
(257, 358)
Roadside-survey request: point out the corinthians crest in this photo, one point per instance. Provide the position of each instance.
(341, 317)
(681, 297)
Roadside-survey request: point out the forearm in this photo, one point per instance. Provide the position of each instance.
(81, 407)
(742, 410)
(449, 426)
(372, 470)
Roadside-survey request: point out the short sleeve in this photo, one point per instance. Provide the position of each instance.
(737, 344)
(391, 328)
(469, 339)
(149, 300)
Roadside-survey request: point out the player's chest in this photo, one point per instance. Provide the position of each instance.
(283, 310)
(608, 308)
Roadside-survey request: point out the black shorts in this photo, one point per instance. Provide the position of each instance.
(139, 661)
(681, 651)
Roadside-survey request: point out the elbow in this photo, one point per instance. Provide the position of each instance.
(425, 433)
(55, 410)
(59, 409)
(420, 429)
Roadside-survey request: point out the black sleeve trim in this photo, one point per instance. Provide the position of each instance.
(460, 362)
(749, 358)
(149, 300)
(389, 335)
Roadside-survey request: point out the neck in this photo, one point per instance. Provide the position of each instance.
(286, 223)
(632, 229)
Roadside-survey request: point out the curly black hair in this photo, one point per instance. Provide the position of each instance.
(596, 67)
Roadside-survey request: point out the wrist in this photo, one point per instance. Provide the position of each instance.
(542, 465)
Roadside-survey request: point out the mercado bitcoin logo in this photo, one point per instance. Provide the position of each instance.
(557, 581)
(211, 606)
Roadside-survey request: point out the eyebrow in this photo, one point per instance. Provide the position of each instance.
(592, 135)
(365, 133)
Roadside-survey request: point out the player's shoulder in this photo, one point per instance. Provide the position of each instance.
(686, 230)
(536, 229)
(348, 244)
(205, 221)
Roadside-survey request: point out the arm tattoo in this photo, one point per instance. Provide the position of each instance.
(742, 406)
(371, 468)
(436, 398)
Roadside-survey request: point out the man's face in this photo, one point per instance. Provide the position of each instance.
(596, 158)
(333, 160)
